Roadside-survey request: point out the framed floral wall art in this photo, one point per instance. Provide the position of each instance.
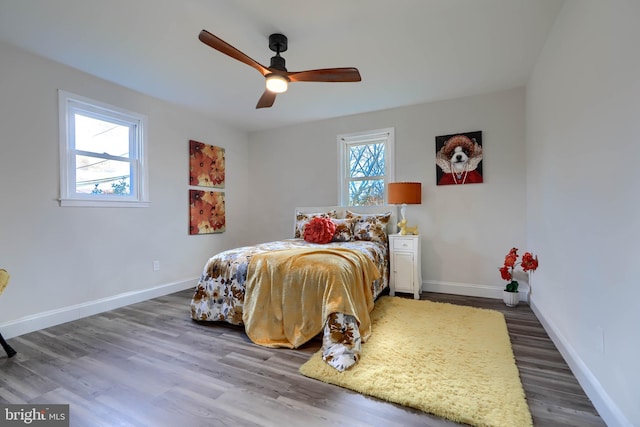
(206, 212)
(206, 165)
(459, 158)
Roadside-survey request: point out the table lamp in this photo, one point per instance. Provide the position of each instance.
(405, 193)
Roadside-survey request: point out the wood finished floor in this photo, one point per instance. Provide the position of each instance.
(150, 365)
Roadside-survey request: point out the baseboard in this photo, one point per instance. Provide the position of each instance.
(47, 319)
(603, 403)
(473, 290)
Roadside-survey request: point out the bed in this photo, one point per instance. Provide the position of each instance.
(290, 291)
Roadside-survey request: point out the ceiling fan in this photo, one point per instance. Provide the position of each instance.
(276, 75)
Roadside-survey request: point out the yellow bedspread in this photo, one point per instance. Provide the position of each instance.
(290, 293)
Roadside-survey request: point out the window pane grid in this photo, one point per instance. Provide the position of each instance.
(366, 174)
(366, 160)
(366, 193)
(101, 162)
(102, 149)
(102, 177)
(365, 178)
(366, 166)
(101, 136)
(101, 155)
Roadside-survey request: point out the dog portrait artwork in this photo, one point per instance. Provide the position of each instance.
(459, 158)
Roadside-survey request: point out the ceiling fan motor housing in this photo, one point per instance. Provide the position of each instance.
(278, 43)
(277, 62)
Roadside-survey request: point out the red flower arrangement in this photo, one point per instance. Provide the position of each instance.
(319, 230)
(528, 263)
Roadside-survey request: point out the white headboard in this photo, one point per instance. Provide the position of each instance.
(392, 225)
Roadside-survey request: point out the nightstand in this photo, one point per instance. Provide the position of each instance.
(405, 265)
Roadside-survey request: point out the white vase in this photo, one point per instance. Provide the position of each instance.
(511, 299)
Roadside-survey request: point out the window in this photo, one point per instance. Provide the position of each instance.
(366, 166)
(102, 154)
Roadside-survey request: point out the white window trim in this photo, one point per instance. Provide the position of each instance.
(363, 137)
(68, 197)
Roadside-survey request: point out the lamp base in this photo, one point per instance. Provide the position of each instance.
(403, 222)
(402, 225)
(405, 230)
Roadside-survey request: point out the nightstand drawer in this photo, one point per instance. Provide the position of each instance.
(404, 244)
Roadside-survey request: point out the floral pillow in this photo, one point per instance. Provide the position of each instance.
(319, 230)
(371, 227)
(303, 218)
(344, 230)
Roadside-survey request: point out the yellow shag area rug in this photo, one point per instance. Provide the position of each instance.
(452, 361)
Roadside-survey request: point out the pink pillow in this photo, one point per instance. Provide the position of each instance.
(319, 230)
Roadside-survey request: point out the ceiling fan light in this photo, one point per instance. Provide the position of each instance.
(277, 83)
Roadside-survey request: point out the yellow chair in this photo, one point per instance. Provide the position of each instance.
(4, 280)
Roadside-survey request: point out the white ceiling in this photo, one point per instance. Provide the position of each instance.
(407, 51)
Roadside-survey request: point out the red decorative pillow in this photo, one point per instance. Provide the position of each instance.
(319, 230)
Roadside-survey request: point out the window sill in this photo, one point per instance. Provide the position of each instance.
(104, 203)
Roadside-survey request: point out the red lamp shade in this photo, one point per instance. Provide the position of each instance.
(409, 193)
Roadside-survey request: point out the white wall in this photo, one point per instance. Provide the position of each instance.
(467, 230)
(67, 261)
(583, 140)
(581, 205)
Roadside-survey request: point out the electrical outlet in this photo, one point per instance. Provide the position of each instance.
(156, 265)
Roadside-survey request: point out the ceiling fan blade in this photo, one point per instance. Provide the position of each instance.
(220, 45)
(348, 74)
(266, 100)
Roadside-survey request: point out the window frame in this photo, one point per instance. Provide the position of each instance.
(385, 136)
(68, 105)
